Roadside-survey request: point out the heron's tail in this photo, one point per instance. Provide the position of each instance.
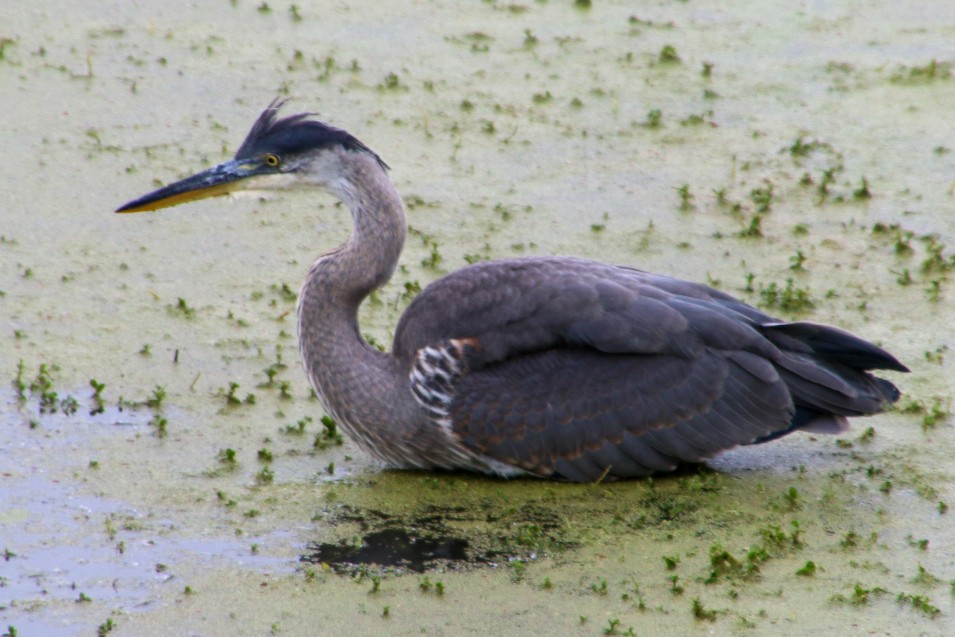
(827, 372)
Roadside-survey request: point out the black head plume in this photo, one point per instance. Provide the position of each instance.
(295, 134)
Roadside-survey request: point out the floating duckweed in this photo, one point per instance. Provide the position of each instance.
(668, 55)
(920, 603)
(701, 612)
(808, 570)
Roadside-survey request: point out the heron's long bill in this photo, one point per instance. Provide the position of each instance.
(216, 181)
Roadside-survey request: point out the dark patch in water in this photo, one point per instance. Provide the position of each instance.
(391, 548)
(427, 542)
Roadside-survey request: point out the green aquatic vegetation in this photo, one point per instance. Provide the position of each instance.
(686, 198)
(105, 628)
(701, 612)
(778, 540)
(433, 259)
(936, 356)
(264, 455)
(928, 72)
(42, 387)
(932, 414)
(160, 425)
(391, 82)
(695, 119)
(98, 405)
(675, 587)
(803, 147)
(671, 562)
(797, 261)
(232, 398)
(853, 540)
(155, 401)
(285, 390)
(298, 429)
(860, 595)
(935, 262)
(19, 382)
(754, 230)
(924, 577)
(182, 307)
(654, 118)
(598, 588)
(862, 192)
(807, 570)
(788, 299)
(69, 405)
(668, 55)
(295, 13)
(264, 476)
(921, 545)
(903, 278)
(750, 277)
(828, 179)
(329, 435)
(920, 603)
(284, 292)
(724, 565)
(902, 245)
(427, 586)
(227, 457)
(270, 373)
(762, 197)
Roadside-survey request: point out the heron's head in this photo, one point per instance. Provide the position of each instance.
(278, 154)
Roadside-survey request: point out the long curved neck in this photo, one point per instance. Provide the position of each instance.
(364, 389)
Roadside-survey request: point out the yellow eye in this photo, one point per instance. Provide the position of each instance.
(272, 160)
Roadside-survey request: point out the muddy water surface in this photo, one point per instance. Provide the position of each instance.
(162, 465)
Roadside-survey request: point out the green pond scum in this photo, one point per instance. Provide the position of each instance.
(164, 466)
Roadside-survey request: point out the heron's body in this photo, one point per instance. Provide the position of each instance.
(548, 366)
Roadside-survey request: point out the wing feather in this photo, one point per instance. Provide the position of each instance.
(575, 368)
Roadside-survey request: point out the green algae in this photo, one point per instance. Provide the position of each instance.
(580, 140)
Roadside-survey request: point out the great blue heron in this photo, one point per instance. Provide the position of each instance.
(547, 366)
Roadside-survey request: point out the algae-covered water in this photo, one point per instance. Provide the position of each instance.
(163, 466)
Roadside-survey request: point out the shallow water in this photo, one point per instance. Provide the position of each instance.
(512, 129)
